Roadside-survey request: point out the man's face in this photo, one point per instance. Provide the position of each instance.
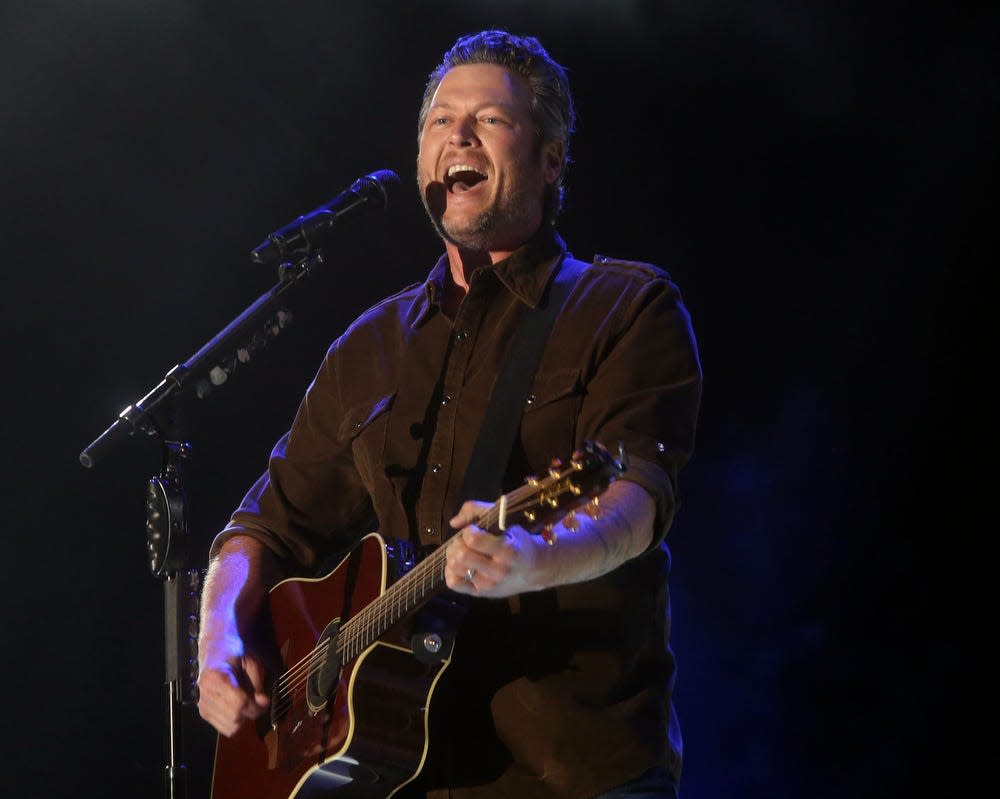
(480, 168)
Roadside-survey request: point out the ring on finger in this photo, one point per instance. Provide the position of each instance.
(470, 574)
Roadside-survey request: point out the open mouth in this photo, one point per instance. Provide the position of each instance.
(462, 177)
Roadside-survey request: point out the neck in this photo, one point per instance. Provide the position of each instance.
(463, 262)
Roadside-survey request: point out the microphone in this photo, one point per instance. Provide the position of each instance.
(300, 237)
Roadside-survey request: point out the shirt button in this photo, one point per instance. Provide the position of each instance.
(461, 335)
(429, 532)
(446, 399)
(435, 468)
(531, 399)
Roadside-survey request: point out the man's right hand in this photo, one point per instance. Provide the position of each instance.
(231, 687)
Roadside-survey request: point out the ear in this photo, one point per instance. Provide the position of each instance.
(552, 160)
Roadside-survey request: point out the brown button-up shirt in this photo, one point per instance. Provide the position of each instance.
(559, 693)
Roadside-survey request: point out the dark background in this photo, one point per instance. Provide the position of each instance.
(807, 172)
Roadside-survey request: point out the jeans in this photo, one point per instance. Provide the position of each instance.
(654, 784)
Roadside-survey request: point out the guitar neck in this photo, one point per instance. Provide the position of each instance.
(406, 595)
(539, 502)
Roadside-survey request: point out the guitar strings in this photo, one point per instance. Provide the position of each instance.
(293, 679)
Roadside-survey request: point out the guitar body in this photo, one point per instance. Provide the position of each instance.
(358, 731)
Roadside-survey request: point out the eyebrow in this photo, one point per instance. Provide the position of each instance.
(507, 107)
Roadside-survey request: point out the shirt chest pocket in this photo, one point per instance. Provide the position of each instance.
(548, 427)
(365, 425)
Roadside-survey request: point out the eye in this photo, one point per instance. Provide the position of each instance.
(490, 120)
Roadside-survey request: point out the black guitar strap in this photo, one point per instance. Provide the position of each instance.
(484, 476)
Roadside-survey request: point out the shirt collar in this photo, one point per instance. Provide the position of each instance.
(525, 272)
(428, 301)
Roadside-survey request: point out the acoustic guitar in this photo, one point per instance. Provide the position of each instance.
(362, 649)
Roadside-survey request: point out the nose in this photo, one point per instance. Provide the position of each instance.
(463, 132)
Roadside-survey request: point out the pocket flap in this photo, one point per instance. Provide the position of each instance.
(553, 385)
(363, 414)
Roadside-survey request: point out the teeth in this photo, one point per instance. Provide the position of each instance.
(462, 168)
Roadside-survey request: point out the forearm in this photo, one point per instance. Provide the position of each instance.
(231, 679)
(617, 530)
(239, 578)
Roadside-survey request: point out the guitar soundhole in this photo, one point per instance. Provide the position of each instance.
(324, 671)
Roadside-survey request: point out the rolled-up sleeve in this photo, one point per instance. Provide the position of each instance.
(645, 390)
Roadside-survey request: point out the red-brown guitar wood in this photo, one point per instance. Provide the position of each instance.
(369, 739)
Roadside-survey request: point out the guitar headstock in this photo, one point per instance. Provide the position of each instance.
(544, 500)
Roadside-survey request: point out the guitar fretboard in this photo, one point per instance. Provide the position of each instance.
(401, 598)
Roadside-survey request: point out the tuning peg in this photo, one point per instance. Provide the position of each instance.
(571, 522)
(593, 509)
(555, 467)
(549, 535)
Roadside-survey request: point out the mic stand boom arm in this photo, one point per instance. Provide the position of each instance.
(210, 365)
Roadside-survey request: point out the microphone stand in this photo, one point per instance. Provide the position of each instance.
(166, 498)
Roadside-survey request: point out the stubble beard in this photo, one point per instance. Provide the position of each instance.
(475, 234)
(511, 211)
